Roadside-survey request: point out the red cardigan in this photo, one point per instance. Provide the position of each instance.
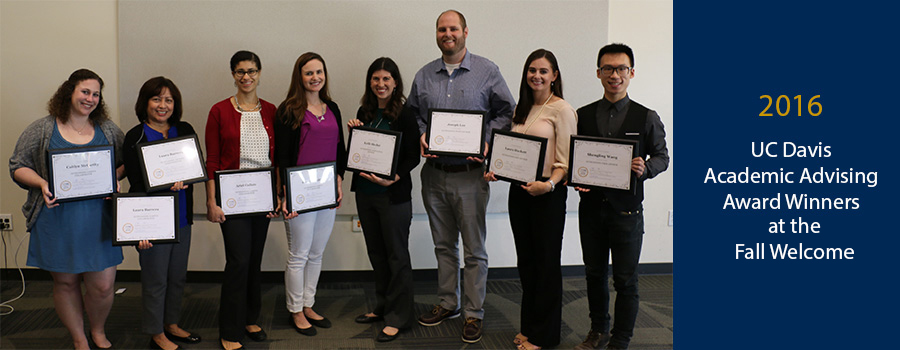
(223, 135)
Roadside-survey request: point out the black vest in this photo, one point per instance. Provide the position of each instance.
(633, 128)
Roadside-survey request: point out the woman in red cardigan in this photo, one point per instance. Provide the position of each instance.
(239, 135)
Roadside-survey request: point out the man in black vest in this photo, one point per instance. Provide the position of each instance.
(611, 220)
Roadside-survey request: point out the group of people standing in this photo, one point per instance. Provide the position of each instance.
(244, 131)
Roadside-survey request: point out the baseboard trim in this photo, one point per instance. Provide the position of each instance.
(12, 275)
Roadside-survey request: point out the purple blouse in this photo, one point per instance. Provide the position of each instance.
(318, 139)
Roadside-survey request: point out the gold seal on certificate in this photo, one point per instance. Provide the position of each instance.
(373, 151)
(601, 162)
(311, 187)
(168, 161)
(455, 132)
(516, 157)
(82, 172)
(146, 217)
(246, 192)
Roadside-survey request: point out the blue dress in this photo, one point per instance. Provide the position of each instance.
(77, 236)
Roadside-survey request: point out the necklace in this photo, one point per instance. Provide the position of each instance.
(380, 119)
(79, 131)
(320, 118)
(538, 116)
(238, 104)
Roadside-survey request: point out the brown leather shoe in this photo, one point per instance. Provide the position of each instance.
(594, 340)
(471, 330)
(436, 316)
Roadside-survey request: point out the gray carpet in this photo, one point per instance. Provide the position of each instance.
(34, 324)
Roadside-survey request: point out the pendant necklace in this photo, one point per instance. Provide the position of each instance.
(79, 131)
(538, 116)
(320, 118)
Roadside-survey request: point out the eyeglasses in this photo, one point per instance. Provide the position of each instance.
(240, 73)
(607, 70)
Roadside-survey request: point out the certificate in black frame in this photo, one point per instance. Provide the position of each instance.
(538, 173)
(394, 160)
(573, 168)
(221, 173)
(124, 226)
(86, 149)
(140, 152)
(479, 154)
(289, 191)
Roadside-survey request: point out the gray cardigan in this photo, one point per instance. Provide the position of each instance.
(31, 152)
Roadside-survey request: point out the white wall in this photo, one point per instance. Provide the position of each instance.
(42, 42)
(647, 27)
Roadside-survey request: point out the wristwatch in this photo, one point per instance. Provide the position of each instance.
(552, 185)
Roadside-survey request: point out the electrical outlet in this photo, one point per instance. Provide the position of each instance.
(670, 217)
(357, 226)
(6, 223)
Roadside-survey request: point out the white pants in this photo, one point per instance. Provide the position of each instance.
(307, 235)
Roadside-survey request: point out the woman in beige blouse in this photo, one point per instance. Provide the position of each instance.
(537, 210)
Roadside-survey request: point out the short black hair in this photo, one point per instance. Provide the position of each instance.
(245, 55)
(616, 48)
(154, 87)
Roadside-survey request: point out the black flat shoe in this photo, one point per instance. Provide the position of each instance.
(309, 332)
(190, 339)
(93, 344)
(323, 323)
(368, 319)
(383, 337)
(256, 336)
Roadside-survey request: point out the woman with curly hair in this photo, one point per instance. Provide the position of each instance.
(72, 240)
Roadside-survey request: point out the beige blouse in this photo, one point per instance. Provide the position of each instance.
(557, 122)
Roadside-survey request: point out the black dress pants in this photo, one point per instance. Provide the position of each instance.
(386, 229)
(537, 224)
(239, 306)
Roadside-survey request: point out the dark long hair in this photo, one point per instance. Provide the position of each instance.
(154, 87)
(60, 104)
(369, 101)
(294, 105)
(526, 94)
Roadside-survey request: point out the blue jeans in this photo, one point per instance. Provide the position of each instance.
(603, 231)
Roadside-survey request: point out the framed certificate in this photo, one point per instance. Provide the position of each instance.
(246, 192)
(454, 132)
(374, 151)
(601, 162)
(516, 157)
(166, 162)
(145, 217)
(82, 172)
(311, 187)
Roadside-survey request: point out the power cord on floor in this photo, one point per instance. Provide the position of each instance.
(4, 306)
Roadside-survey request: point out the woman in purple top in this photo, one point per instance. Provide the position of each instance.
(307, 131)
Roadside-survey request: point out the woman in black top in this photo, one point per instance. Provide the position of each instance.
(163, 266)
(384, 206)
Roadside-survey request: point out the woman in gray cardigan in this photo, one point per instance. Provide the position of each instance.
(72, 240)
